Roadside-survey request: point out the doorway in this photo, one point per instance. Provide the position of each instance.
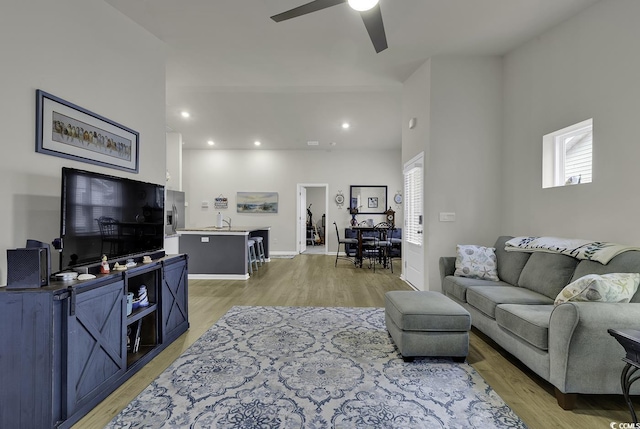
(313, 208)
(413, 251)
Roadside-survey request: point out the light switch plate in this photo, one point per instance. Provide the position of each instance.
(447, 217)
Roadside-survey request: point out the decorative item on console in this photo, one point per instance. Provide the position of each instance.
(129, 303)
(143, 300)
(390, 217)
(104, 265)
(353, 211)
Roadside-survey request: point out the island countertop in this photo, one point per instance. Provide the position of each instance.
(225, 230)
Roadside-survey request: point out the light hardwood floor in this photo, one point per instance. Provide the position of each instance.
(312, 280)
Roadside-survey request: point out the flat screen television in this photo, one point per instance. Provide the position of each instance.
(108, 215)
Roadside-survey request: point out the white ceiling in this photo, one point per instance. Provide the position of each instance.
(244, 77)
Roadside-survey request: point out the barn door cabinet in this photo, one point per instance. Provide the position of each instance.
(175, 317)
(66, 347)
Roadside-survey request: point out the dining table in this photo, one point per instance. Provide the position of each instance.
(360, 229)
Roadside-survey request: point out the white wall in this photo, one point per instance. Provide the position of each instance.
(416, 96)
(461, 139)
(588, 66)
(98, 60)
(174, 161)
(210, 173)
(464, 167)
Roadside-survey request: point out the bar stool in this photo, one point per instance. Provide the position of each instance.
(251, 255)
(259, 249)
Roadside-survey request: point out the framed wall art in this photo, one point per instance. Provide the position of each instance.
(257, 202)
(69, 131)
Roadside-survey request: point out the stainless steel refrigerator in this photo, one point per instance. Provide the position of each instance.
(174, 207)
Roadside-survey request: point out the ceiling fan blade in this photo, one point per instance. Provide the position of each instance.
(372, 19)
(313, 6)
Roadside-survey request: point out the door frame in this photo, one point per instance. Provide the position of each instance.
(301, 215)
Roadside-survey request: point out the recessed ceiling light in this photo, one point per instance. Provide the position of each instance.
(257, 143)
(185, 114)
(362, 5)
(345, 125)
(210, 143)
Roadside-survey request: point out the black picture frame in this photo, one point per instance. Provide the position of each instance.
(69, 131)
(365, 197)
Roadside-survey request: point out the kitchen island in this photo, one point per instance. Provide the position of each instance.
(220, 253)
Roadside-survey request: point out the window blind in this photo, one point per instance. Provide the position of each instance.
(413, 205)
(578, 156)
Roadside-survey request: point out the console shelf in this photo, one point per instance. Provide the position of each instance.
(139, 313)
(71, 343)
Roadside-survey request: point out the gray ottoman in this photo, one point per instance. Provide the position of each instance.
(427, 324)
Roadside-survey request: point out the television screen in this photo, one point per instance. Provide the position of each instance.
(108, 215)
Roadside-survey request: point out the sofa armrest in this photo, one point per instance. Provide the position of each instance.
(584, 357)
(447, 267)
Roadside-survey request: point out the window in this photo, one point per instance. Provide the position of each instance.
(567, 155)
(413, 205)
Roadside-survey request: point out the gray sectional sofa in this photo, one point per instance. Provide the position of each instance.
(567, 345)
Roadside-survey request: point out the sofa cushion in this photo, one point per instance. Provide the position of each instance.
(626, 262)
(612, 287)
(457, 286)
(486, 298)
(529, 322)
(547, 273)
(476, 262)
(510, 264)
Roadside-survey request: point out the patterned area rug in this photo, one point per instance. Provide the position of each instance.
(311, 367)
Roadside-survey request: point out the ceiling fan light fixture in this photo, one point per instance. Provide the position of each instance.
(362, 5)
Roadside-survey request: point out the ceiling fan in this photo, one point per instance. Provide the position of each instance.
(369, 10)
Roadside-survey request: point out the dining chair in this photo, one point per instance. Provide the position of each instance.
(344, 242)
(384, 244)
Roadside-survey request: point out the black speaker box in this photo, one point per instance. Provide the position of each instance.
(27, 268)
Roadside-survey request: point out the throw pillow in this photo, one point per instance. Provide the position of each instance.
(614, 287)
(476, 262)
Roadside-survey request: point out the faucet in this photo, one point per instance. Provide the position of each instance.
(228, 222)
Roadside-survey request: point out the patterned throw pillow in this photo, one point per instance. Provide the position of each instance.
(615, 287)
(476, 262)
